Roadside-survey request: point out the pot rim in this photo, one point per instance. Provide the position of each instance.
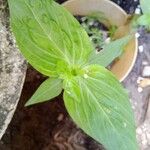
(133, 61)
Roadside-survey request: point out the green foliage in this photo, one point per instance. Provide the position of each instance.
(55, 44)
(102, 109)
(91, 25)
(110, 52)
(145, 6)
(102, 19)
(49, 89)
(105, 53)
(144, 20)
(42, 31)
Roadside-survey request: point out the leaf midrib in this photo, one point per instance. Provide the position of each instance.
(102, 110)
(45, 31)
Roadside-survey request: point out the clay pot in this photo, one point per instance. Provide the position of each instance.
(115, 16)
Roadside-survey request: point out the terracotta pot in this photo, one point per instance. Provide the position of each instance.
(115, 16)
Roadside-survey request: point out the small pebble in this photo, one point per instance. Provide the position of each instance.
(135, 103)
(144, 140)
(145, 82)
(141, 48)
(146, 71)
(148, 136)
(139, 131)
(138, 11)
(60, 117)
(107, 41)
(133, 107)
(144, 63)
(137, 35)
(139, 79)
(140, 89)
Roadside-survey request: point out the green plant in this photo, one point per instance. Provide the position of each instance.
(55, 44)
(144, 20)
(94, 32)
(92, 26)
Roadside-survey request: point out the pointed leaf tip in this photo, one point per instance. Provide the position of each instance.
(49, 89)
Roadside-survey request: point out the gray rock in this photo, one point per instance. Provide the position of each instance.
(146, 71)
(12, 73)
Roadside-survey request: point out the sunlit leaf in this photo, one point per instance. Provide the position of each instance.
(145, 6)
(99, 105)
(49, 89)
(110, 52)
(144, 20)
(46, 33)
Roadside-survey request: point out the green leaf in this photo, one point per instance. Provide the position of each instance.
(144, 20)
(145, 6)
(46, 33)
(49, 89)
(110, 52)
(99, 105)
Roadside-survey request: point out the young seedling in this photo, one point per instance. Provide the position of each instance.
(92, 24)
(55, 44)
(96, 36)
